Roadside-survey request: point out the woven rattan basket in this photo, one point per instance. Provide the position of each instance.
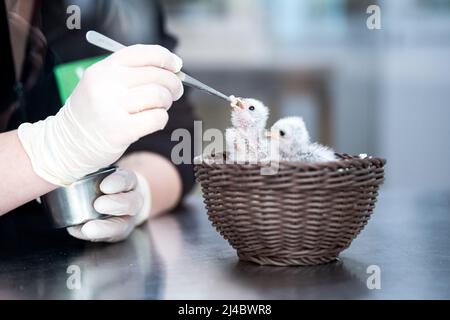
(306, 214)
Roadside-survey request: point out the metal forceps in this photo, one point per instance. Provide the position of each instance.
(102, 41)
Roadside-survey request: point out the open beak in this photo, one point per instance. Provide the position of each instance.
(237, 103)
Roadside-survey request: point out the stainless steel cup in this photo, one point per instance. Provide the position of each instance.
(74, 205)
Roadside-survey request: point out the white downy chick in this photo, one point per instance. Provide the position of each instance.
(245, 141)
(294, 142)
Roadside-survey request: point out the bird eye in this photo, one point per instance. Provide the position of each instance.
(251, 108)
(282, 133)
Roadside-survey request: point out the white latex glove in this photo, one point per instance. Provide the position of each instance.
(127, 199)
(118, 101)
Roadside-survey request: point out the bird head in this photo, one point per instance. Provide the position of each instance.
(291, 134)
(249, 114)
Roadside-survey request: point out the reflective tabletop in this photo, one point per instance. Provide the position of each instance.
(406, 245)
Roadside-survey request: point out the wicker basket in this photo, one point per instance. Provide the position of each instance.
(304, 215)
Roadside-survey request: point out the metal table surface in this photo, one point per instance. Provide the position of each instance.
(180, 256)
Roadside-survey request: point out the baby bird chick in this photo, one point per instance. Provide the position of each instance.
(245, 141)
(294, 142)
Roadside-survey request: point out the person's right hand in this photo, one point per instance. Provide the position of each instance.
(118, 101)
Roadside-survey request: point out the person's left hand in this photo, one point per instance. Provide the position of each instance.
(127, 199)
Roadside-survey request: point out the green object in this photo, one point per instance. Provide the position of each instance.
(69, 74)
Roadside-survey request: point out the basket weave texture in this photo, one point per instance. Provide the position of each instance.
(306, 214)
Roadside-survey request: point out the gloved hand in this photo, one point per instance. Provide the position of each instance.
(118, 100)
(127, 199)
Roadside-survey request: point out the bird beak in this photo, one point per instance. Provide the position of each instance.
(237, 103)
(273, 134)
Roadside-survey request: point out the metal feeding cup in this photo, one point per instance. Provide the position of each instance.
(74, 205)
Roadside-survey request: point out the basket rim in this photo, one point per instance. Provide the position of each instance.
(345, 161)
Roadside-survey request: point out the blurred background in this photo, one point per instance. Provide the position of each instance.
(381, 92)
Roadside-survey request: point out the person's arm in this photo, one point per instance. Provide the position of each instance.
(17, 174)
(19, 183)
(162, 177)
(118, 100)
